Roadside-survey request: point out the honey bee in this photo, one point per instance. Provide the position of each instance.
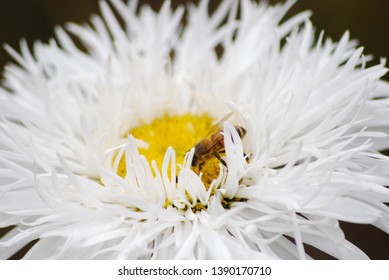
(212, 145)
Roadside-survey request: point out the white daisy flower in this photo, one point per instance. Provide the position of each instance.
(102, 148)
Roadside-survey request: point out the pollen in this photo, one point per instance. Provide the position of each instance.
(180, 132)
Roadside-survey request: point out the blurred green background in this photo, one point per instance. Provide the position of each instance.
(368, 21)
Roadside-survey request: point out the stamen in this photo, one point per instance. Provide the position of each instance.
(182, 133)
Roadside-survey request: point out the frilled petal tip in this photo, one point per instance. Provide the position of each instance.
(314, 114)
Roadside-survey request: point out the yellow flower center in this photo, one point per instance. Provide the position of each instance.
(182, 133)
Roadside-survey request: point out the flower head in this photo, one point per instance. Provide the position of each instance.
(104, 151)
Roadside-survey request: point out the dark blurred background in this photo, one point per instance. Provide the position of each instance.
(368, 21)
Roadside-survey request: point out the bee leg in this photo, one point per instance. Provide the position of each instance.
(201, 166)
(219, 158)
(194, 160)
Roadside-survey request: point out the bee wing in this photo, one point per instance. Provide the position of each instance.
(219, 125)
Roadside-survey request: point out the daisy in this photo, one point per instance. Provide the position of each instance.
(180, 134)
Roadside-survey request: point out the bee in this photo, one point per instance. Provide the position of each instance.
(212, 145)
